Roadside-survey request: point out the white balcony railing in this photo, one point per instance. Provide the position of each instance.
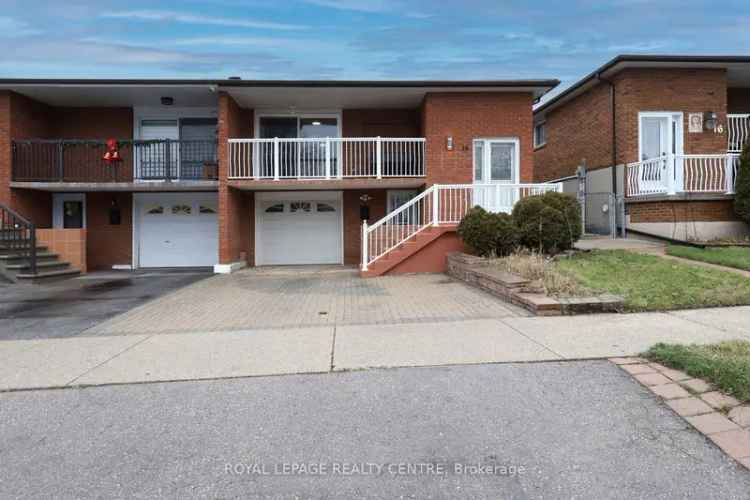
(440, 205)
(738, 132)
(674, 174)
(326, 158)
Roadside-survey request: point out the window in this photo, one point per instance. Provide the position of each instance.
(303, 206)
(540, 135)
(182, 210)
(155, 210)
(275, 209)
(325, 207)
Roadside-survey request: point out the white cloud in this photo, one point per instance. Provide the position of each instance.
(180, 17)
(257, 41)
(10, 27)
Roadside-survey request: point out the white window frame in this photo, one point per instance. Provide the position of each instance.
(58, 202)
(487, 167)
(544, 127)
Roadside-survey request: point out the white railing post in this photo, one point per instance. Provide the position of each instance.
(435, 205)
(340, 159)
(328, 157)
(670, 159)
(276, 158)
(379, 158)
(365, 256)
(729, 174)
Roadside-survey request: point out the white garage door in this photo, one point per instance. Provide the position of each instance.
(299, 231)
(177, 229)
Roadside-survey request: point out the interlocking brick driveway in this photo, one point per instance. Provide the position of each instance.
(293, 297)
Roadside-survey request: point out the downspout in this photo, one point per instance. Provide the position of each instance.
(614, 129)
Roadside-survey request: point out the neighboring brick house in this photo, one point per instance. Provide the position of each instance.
(228, 173)
(635, 111)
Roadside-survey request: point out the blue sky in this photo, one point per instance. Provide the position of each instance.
(355, 39)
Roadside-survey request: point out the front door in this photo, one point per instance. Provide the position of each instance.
(156, 160)
(496, 161)
(660, 140)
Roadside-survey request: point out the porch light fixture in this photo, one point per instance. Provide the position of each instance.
(449, 143)
(710, 120)
(167, 101)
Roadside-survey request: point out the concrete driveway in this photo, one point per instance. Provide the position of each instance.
(293, 297)
(579, 430)
(67, 308)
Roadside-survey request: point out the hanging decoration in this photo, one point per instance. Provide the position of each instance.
(113, 153)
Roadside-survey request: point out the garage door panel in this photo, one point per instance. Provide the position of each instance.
(300, 237)
(179, 232)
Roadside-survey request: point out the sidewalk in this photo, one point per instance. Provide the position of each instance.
(54, 363)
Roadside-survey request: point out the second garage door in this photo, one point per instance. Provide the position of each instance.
(299, 230)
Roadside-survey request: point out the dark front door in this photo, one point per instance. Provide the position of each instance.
(72, 214)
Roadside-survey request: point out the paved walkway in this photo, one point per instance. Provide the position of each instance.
(111, 359)
(292, 297)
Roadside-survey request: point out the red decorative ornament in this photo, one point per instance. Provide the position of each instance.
(112, 154)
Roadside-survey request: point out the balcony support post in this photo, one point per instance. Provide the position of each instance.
(276, 158)
(328, 158)
(379, 158)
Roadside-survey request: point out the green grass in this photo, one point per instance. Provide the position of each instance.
(726, 364)
(738, 257)
(652, 283)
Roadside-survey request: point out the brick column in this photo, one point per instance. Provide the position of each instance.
(235, 207)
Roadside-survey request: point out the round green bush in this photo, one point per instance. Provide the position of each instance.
(742, 186)
(548, 223)
(488, 234)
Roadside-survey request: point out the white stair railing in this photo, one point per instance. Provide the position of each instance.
(440, 204)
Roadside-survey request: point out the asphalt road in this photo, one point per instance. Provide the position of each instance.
(547, 430)
(66, 308)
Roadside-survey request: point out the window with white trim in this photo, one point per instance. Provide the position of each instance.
(540, 134)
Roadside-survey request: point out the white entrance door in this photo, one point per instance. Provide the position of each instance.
(660, 138)
(177, 229)
(300, 228)
(154, 160)
(496, 161)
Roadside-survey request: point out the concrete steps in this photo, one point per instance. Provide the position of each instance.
(15, 266)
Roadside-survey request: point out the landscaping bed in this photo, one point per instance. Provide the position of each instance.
(729, 256)
(725, 365)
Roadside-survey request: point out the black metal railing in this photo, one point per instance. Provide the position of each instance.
(54, 160)
(18, 236)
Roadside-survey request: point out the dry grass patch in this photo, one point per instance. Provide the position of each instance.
(543, 274)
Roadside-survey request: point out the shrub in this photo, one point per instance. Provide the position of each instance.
(488, 234)
(548, 223)
(742, 186)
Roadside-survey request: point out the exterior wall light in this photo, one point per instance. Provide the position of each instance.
(167, 101)
(710, 120)
(449, 143)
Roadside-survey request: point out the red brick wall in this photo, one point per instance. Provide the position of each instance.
(582, 128)
(106, 244)
(738, 100)
(353, 224)
(683, 90)
(234, 205)
(92, 123)
(466, 116)
(682, 211)
(380, 122)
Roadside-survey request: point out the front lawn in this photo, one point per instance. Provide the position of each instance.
(652, 283)
(738, 257)
(726, 364)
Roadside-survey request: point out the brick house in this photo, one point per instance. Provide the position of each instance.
(675, 125)
(228, 173)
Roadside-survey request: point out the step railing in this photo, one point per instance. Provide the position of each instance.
(440, 204)
(672, 174)
(18, 236)
(738, 131)
(326, 158)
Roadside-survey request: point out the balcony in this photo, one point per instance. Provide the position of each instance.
(673, 174)
(738, 131)
(80, 161)
(327, 158)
